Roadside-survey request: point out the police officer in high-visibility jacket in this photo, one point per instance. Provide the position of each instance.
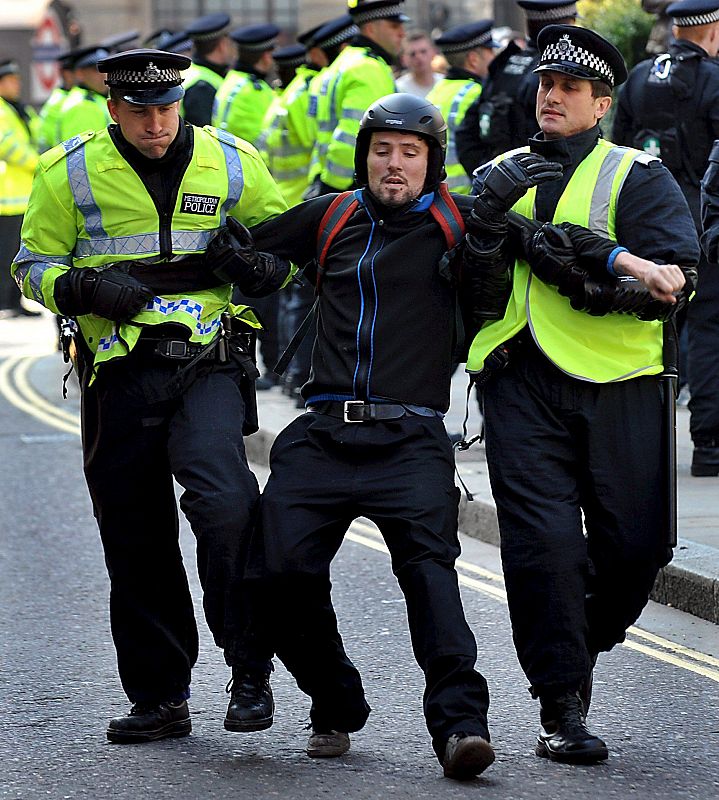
(49, 128)
(85, 107)
(213, 55)
(469, 50)
(245, 95)
(573, 421)
(135, 232)
(360, 75)
(18, 159)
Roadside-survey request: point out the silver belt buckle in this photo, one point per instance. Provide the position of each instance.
(173, 348)
(348, 404)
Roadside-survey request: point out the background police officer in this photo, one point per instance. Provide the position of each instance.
(670, 107)
(469, 50)
(85, 107)
(212, 56)
(503, 117)
(573, 422)
(141, 253)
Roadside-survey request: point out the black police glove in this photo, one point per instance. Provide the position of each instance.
(111, 292)
(231, 253)
(548, 251)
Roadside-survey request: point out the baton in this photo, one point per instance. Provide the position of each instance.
(670, 377)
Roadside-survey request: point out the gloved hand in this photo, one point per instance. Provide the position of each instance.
(110, 292)
(548, 251)
(506, 183)
(231, 253)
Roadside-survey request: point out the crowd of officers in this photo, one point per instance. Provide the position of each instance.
(566, 355)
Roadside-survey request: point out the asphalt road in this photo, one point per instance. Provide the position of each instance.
(656, 699)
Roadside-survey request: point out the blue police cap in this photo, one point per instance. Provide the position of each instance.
(173, 42)
(210, 26)
(330, 34)
(466, 37)
(694, 12)
(256, 37)
(548, 10)
(580, 53)
(117, 42)
(291, 56)
(88, 56)
(146, 77)
(367, 10)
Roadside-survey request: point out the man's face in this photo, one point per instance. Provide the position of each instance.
(565, 105)
(151, 129)
(396, 167)
(417, 55)
(89, 76)
(10, 87)
(387, 33)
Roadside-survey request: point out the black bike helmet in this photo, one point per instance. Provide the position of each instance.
(404, 112)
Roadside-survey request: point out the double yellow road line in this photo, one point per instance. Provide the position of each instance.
(17, 390)
(490, 583)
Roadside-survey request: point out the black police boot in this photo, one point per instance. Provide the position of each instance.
(705, 459)
(564, 735)
(251, 705)
(147, 723)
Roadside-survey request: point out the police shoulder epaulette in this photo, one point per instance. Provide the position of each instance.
(646, 158)
(61, 151)
(233, 141)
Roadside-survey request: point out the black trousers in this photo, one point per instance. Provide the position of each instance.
(9, 245)
(560, 450)
(399, 474)
(703, 327)
(270, 337)
(133, 448)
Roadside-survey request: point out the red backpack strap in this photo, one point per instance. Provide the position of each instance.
(334, 219)
(447, 215)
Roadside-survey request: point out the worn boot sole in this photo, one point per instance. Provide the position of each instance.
(176, 729)
(599, 753)
(471, 757)
(325, 749)
(248, 725)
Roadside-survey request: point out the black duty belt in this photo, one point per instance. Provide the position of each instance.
(172, 349)
(359, 411)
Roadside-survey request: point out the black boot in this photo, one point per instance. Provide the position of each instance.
(705, 459)
(251, 705)
(147, 723)
(564, 735)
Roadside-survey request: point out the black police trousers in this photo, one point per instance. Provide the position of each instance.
(559, 450)
(133, 447)
(703, 366)
(399, 474)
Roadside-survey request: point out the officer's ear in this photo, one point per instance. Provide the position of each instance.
(601, 106)
(112, 108)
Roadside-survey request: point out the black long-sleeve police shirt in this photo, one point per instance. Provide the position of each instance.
(386, 325)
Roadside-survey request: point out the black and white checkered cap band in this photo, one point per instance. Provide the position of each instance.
(265, 44)
(205, 37)
(150, 77)
(384, 12)
(343, 36)
(550, 14)
(568, 53)
(459, 47)
(698, 19)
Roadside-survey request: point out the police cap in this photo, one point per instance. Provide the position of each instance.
(466, 37)
(256, 37)
(66, 59)
(580, 53)
(173, 42)
(146, 77)
(367, 10)
(117, 42)
(291, 56)
(88, 56)
(548, 10)
(694, 12)
(210, 26)
(330, 34)
(9, 67)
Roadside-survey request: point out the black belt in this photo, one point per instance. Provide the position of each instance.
(359, 411)
(172, 349)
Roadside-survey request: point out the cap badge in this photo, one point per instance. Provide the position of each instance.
(564, 44)
(151, 72)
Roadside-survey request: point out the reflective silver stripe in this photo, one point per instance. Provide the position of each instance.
(289, 174)
(326, 126)
(602, 194)
(454, 108)
(342, 172)
(235, 176)
(458, 181)
(142, 244)
(36, 265)
(352, 113)
(81, 190)
(344, 137)
(230, 99)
